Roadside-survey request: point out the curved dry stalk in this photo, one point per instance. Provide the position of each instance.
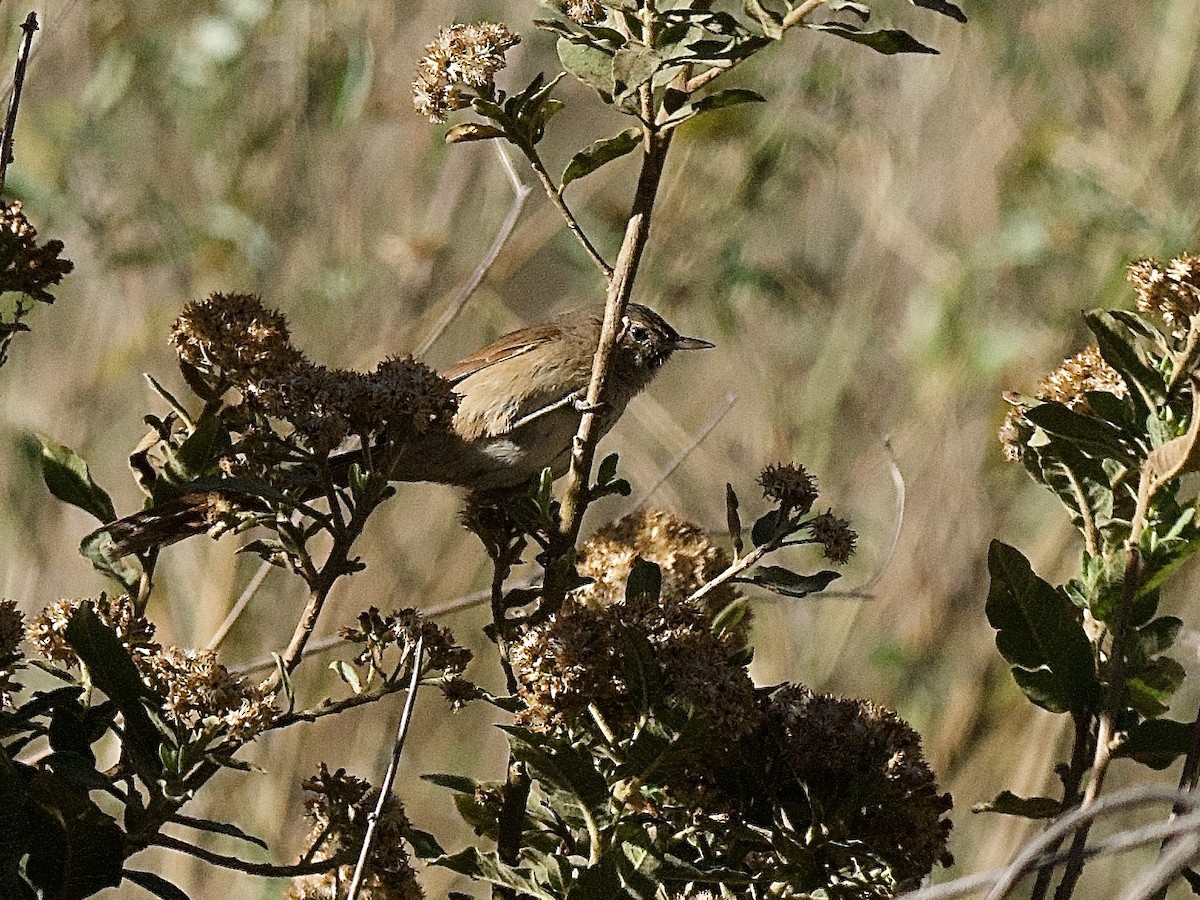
(239, 607)
(1078, 821)
(863, 591)
(521, 193)
(1117, 843)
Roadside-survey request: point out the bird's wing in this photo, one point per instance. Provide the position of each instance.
(505, 348)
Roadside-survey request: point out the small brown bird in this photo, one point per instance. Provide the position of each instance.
(519, 409)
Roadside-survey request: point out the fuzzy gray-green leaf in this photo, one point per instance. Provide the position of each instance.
(592, 157)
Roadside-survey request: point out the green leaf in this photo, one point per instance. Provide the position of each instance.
(1009, 804)
(608, 466)
(68, 478)
(113, 672)
(560, 765)
(1039, 632)
(887, 40)
(1147, 387)
(1157, 742)
(1154, 638)
(472, 131)
(591, 158)
(424, 844)
(644, 584)
(790, 584)
(733, 520)
(488, 867)
(155, 884)
(632, 66)
(75, 849)
(589, 64)
(1150, 688)
(944, 7)
(199, 454)
(225, 828)
(1087, 431)
(348, 674)
(731, 616)
(643, 676)
(1079, 481)
(719, 100)
(458, 783)
(766, 527)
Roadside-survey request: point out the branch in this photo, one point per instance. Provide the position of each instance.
(1118, 843)
(556, 198)
(389, 778)
(239, 607)
(29, 26)
(1074, 822)
(620, 287)
(266, 870)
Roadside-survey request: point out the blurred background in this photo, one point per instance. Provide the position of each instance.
(877, 252)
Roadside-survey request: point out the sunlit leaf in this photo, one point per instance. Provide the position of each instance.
(592, 157)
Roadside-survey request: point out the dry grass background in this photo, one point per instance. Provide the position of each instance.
(878, 251)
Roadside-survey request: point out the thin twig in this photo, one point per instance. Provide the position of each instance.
(792, 19)
(266, 870)
(385, 789)
(1187, 782)
(560, 204)
(863, 591)
(29, 26)
(242, 602)
(696, 439)
(1076, 821)
(521, 192)
(1117, 843)
(1184, 850)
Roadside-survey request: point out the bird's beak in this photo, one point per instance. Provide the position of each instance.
(687, 343)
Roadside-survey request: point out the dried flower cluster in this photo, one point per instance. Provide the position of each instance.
(338, 809)
(400, 629)
(790, 485)
(198, 694)
(1085, 371)
(1069, 385)
(26, 267)
(863, 766)
(11, 633)
(585, 12)
(576, 657)
(835, 536)
(1172, 291)
(461, 56)
(233, 341)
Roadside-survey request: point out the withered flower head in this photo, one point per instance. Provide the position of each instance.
(400, 629)
(585, 12)
(576, 657)
(460, 56)
(338, 809)
(1173, 292)
(200, 693)
(11, 633)
(835, 535)
(790, 485)
(458, 692)
(47, 632)
(236, 339)
(1069, 384)
(863, 766)
(196, 691)
(26, 267)
(1078, 374)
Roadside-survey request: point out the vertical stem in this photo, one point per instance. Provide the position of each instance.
(29, 26)
(620, 288)
(1115, 676)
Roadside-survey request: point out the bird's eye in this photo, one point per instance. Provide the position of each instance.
(639, 333)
